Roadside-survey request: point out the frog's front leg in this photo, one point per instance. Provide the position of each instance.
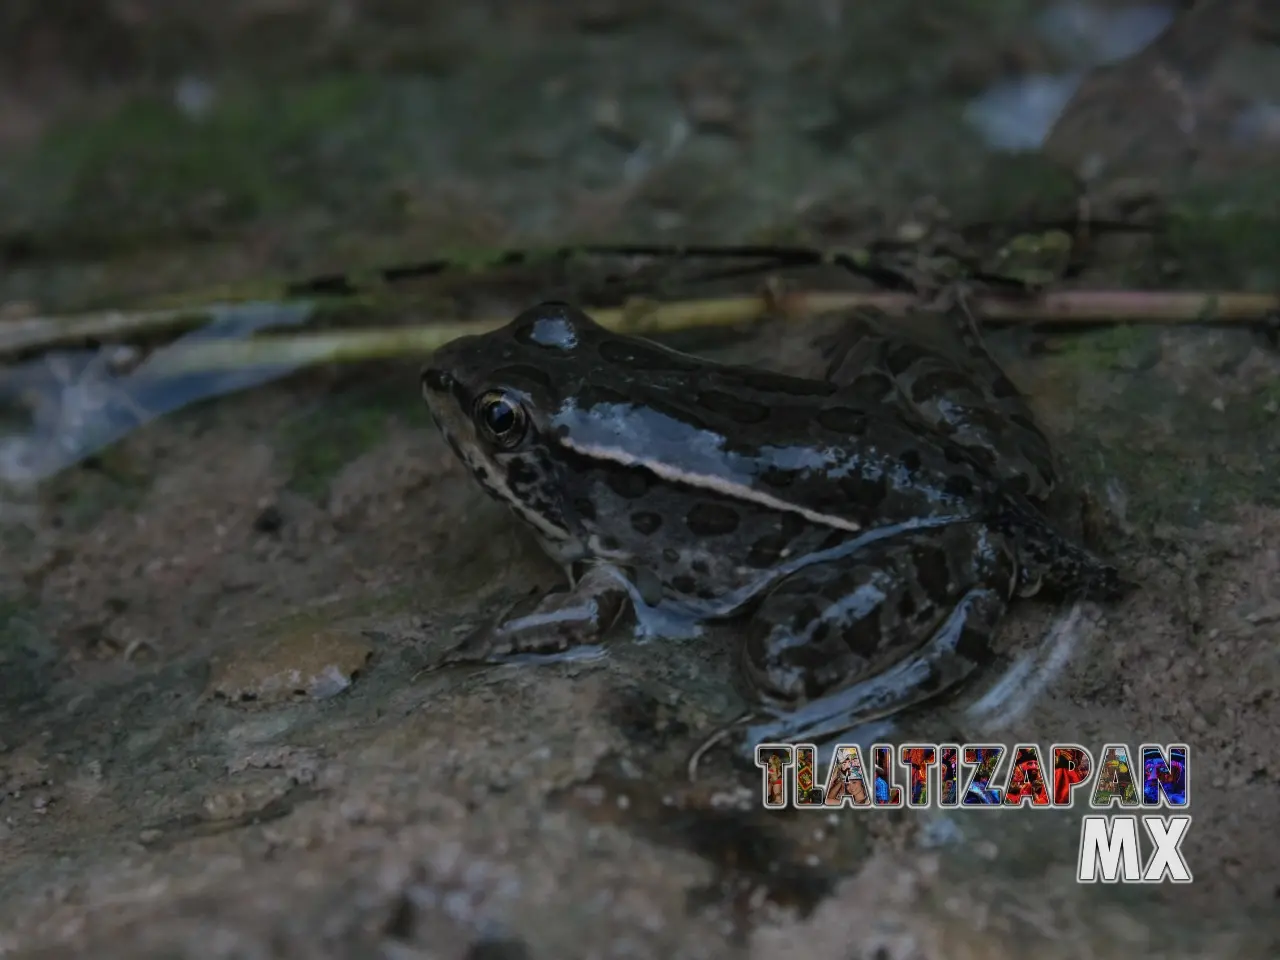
(841, 644)
(558, 624)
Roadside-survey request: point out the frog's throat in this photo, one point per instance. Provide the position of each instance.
(702, 481)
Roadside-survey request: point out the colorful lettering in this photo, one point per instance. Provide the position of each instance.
(985, 760)
(949, 776)
(773, 759)
(887, 792)
(1026, 778)
(1072, 765)
(918, 758)
(1115, 779)
(808, 794)
(846, 783)
(1164, 775)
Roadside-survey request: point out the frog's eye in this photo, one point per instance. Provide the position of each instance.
(501, 418)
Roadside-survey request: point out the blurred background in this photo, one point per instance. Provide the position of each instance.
(172, 144)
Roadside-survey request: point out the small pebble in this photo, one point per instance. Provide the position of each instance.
(986, 850)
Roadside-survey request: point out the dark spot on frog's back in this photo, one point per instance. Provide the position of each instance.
(958, 485)
(968, 455)
(684, 584)
(938, 383)
(628, 482)
(637, 355)
(867, 492)
(585, 508)
(1021, 483)
(646, 522)
(769, 382)
(777, 477)
(768, 550)
(843, 420)
(932, 572)
(712, 520)
(870, 386)
(864, 635)
(903, 357)
(907, 606)
(735, 408)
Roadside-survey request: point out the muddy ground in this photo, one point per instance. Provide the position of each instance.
(214, 739)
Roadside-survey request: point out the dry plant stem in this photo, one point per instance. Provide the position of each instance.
(1067, 306)
(33, 332)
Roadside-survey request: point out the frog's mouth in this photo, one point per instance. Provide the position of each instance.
(448, 401)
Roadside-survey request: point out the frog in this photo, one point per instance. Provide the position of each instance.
(864, 530)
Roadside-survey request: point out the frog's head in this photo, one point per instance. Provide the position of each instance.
(494, 397)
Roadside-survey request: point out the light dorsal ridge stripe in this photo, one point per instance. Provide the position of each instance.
(729, 488)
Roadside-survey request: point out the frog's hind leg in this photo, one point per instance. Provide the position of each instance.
(942, 665)
(968, 399)
(840, 644)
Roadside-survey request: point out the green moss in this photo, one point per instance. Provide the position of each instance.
(148, 171)
(1227, 233)
(1011, 189)
(1119, 347)
(110, 480)
(320, 441)
(1212, 460)
(25, 654)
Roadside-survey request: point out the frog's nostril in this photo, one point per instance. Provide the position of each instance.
(437, 381)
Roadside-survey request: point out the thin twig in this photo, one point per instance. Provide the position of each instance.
(30, 333)
(1068, 307)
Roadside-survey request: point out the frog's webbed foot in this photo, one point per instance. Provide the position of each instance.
(559, 626)
(950, 657)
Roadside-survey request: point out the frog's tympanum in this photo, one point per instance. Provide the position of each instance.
(869, 524)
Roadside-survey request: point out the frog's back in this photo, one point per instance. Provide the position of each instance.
(800, 444)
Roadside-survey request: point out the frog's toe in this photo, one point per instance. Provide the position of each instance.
(476, 648)
(501, 644)
(490, 646)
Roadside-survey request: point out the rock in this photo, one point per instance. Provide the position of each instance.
(308, 663)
